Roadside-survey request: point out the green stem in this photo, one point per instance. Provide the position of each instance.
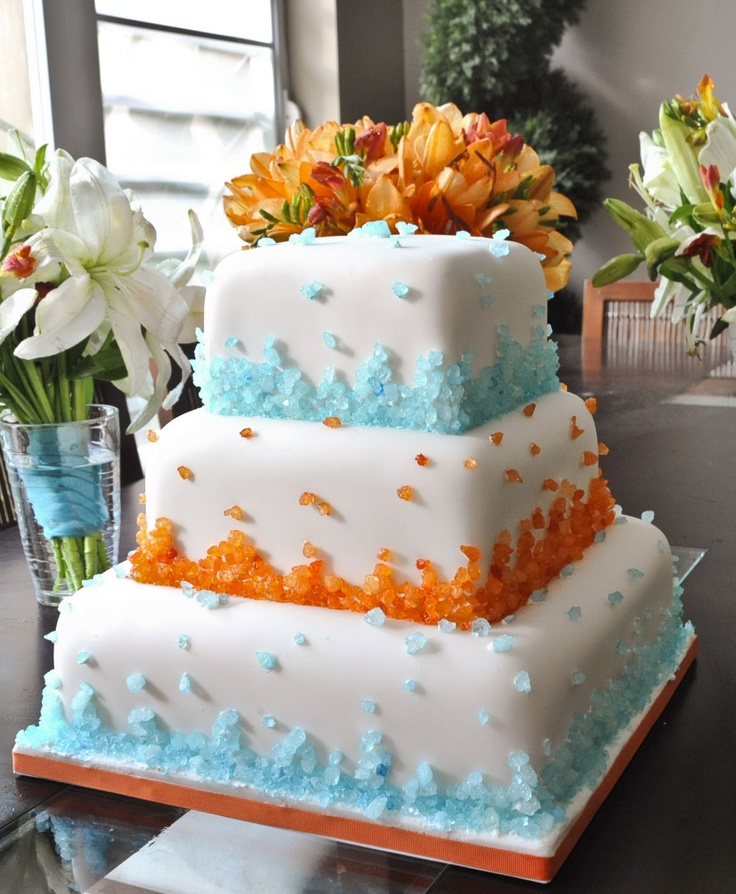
(28, 370)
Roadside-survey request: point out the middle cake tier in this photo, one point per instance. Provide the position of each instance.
(468, 525)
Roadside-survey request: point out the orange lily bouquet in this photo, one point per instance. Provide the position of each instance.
(444, 172)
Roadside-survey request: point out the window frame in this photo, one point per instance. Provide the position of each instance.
(64, 68)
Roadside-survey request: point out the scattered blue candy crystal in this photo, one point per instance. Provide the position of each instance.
(415, 642)
(267, 660)
(522, 682)
(483, 717)
(634, 573)
(135, 682)
(409, 685)
(376, 617)
(574, 613)
(616, 597)
(299, 638)
(503, 643)
(311, 290)
(83, 656)
(185, 683)
(329, 339)
(577, 678)
(400, 289)
(368, 705)
(268, 721)
(480, 627)
(183, 641)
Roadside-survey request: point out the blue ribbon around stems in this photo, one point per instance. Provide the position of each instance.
(63, 486)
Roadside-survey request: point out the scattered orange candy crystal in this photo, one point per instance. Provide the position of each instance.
(472, 552)
(592, 404)
(246, 432)
(332, 422)
(384, 555)
(589, 458)
(152, 435)
(575, 430)
(184, 472)
(142, 499)
(307, 498)
(406, 492)
(534, 449)
(550, 484)
(603, 449)
(324, 508)
(471, 463)
(496, 438)
(421, 459)
(529, 410)
(563, 386)
(514, 476)
(309, 550)
(234, 512)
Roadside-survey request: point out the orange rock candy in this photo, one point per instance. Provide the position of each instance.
(545, 544)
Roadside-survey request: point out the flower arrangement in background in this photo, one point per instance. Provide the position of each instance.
(79, 298)
(685, 236)
(444, 172)
(81, 301)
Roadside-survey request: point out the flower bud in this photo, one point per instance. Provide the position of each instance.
(617, 268)
(19, 203)
(683, 158)
(658, 251)
(641, 229)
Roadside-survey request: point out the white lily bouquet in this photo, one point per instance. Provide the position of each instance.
(81, 301)
(686, 234)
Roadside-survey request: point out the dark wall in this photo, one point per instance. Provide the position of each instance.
(370, 40)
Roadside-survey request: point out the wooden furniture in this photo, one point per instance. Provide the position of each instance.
(618, 326)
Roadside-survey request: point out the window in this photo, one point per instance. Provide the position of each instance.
(189, 92)
(185, 94)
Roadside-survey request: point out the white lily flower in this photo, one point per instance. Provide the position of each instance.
(720, 145)
(93, 250)
(658, 177)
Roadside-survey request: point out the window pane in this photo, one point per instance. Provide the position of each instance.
(183, 114)
(248, 19)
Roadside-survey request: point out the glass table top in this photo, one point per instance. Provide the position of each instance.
(90, 843)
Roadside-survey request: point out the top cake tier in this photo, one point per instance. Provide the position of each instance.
(437, 333)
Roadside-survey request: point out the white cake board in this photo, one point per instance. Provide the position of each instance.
(535, 860)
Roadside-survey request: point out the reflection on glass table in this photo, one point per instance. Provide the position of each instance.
(89, 843)
(73, 839)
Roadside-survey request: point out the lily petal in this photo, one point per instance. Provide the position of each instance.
(151, 299)
(13, 308)
(64, 318)
(133, 347)
(102, 213)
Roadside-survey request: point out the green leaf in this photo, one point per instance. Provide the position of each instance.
(107, 364)
(12, 167)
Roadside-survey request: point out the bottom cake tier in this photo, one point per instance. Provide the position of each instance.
(496, 740)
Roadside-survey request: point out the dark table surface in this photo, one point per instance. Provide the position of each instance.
(670, 823)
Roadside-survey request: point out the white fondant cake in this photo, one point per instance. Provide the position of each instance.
(380, 575)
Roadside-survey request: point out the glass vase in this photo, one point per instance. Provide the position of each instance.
(65, 482)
